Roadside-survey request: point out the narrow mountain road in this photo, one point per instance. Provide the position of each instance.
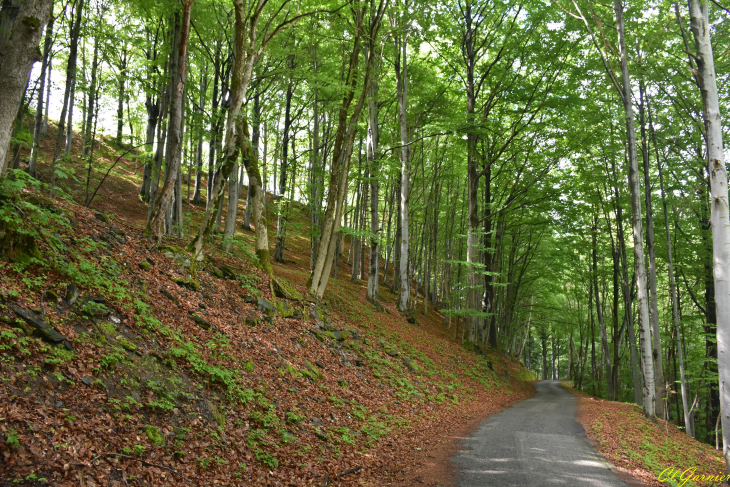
(535, 442)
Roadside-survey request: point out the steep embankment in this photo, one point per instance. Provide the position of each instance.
(119, 367)
(657, 454)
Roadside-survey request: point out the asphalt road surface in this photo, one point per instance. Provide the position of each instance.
(535, 442)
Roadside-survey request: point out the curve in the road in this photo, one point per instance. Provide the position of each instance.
(536, 442)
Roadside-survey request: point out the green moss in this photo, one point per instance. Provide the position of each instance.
(144, 265)
(154, 435)
(218, 416)
(107, 328)
(126, 344)
(191, 284)
(311, 371)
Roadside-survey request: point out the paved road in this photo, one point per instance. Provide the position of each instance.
(536, 442)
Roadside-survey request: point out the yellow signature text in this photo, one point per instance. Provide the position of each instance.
(689, 474)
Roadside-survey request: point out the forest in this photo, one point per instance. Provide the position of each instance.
(547, 176)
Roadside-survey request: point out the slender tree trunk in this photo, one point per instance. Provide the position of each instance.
(91, 111)
(44, 127)
(720, 216)
(155, 223)
(342, 152)
(673, 291)
(38, 127)
(401, 69)
(237, 139)
(599, 312)
(68, 94)
(645, 340)
(660, 386)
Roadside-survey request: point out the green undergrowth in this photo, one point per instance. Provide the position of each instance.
(166, 386)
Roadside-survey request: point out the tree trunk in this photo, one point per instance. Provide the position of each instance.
(645, 340)
(44, 127)
(281, 217)
(401, 70)
(155, 223)
(679, 353)
(91, 111)
(660, 386)
(235, 139)
(719, 217)
(38, 127)
(344, 140)
(68, 94)
(24, 22)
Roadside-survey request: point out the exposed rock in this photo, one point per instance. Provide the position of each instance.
(250, 319)
(391, 351)
(51, 296)
(265, 306)
(228, 272)
(41, 328)
(15, 245)
(87, 380)
(321, 434)
(191, 284)
(311, 372)
(341, 336)
(101, 217)
(409, 365)
(202, 305)
(178, 254)
(249, 299)
(126, 344)
(216, 272)
(72, 294)
(170, 296)
(200, 321)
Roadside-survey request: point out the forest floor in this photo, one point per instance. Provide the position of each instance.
(151, 375)
(643, 449)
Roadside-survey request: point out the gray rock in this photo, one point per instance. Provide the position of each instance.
(409, 365)
(72, 294)
(41, 328)
(249, 299)
(265, 306)
(86, 380)
(169, 296)
(101, 217)
(200, 321)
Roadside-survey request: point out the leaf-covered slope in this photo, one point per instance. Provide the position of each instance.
(164, 378)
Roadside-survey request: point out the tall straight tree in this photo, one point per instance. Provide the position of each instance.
(155, 225)
(74, 32)
(344, 140)
(623, 88)
(720, 216)
(38, 127)
(401, 72)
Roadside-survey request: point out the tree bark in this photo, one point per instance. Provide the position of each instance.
(68, 94)
(163, 201)
(24, 22)
(645, 340)
(720, 215)
(401, 69)
(38, 127)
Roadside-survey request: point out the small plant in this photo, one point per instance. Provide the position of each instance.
(12, 439)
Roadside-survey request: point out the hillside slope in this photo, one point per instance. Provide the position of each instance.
(119, 367)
